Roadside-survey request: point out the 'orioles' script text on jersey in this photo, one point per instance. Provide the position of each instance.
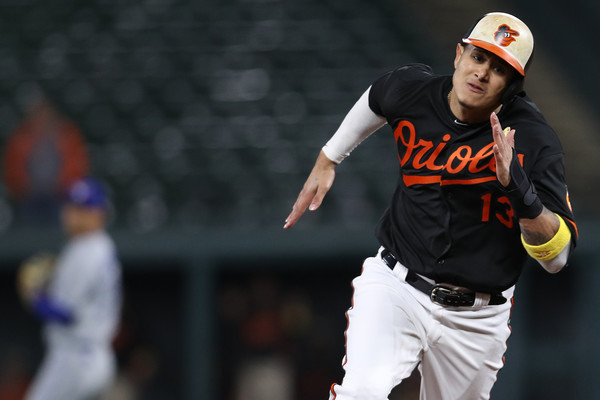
(423, 154)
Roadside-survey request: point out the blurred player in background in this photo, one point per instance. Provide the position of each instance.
(78, 297)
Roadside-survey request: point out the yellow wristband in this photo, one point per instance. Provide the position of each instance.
(551, 248)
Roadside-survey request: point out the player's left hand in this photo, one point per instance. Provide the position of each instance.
(33, 275)
(504, 142)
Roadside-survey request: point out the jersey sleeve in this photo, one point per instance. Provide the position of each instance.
(547, 171)
(49, 310)
(393, 82)
(548, 178)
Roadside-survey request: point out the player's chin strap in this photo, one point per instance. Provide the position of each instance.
(521, 192)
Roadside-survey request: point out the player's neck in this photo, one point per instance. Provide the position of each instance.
(469, 115)
(83, 229)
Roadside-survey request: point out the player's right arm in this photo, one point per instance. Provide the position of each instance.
(359, 123)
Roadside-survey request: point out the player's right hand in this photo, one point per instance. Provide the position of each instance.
(315, 188)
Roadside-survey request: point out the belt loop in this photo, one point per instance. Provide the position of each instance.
(388, 258)
(481, 300)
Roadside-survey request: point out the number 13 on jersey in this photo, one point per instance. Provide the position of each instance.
(506, 218)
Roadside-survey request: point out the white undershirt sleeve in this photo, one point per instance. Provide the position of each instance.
(557, 263)
(359, 123)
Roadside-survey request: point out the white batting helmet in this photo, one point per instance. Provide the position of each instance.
(504, 35)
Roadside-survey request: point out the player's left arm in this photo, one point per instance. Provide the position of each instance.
(544, 234)
(50, 310)
(547, 239)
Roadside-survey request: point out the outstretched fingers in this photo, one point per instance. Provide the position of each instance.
(306, 199)
(504, 141)
(310, 198)
(315, 188)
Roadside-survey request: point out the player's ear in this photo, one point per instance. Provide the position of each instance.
(459, 51)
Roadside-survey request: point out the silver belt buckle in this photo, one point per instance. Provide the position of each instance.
(453, 296)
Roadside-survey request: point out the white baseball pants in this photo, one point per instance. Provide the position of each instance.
(393, 328)
(71, 373)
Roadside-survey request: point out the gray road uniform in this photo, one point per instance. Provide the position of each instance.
(86, 291)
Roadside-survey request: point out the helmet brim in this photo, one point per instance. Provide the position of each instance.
(503, 54)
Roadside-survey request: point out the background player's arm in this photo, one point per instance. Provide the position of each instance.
(544, 227)
(49, 310)
(359, 123)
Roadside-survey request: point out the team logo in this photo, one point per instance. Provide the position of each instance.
(542, 254)
(505, 35)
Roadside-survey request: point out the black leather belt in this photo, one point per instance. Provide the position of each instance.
(442, 294)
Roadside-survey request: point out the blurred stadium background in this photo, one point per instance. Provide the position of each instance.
(203, 118)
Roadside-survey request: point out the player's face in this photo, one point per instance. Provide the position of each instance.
(77, 220)
(479, 80)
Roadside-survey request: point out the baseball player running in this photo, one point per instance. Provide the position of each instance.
(79, 302)
(481, 187)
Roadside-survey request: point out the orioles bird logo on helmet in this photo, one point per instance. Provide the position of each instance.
(505, 35)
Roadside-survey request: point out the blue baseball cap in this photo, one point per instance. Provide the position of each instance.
(87, 192)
